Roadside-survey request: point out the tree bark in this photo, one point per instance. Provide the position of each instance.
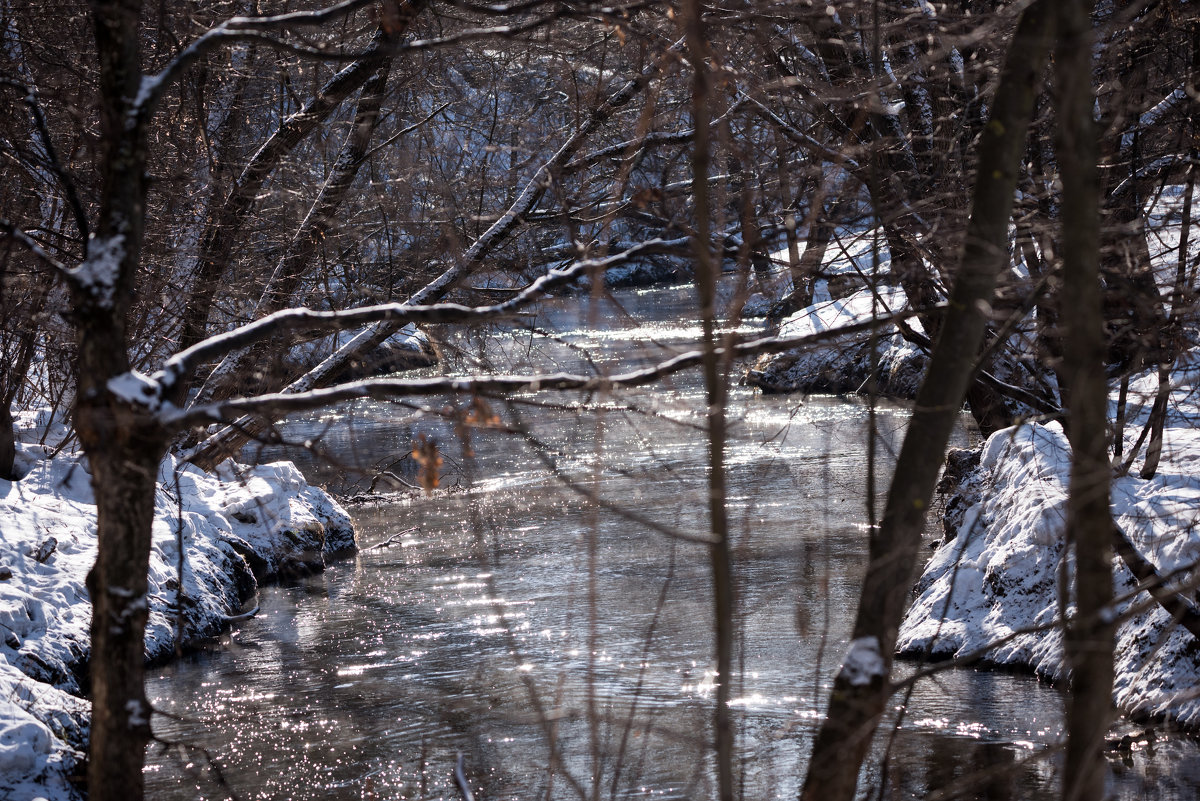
(1089, 632)
(120, 438)
(8, 443)
(858, 701)
(124, 469)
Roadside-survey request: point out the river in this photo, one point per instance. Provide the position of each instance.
(562, 648)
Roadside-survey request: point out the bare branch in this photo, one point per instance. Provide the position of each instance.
(29, 242)
(52, 160)
(217, 243)
(281, 403)
(407, 130)
(804, 140)
(398, 314)
(535, 187)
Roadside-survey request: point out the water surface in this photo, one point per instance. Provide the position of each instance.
(518, 618)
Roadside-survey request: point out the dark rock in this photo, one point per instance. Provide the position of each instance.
(43, 551)
(241, 571)
(257, 564)
(842, 369)
(649, 272)
(960, 462)
(959, 486)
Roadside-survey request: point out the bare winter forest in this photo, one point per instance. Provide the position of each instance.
(218, 217)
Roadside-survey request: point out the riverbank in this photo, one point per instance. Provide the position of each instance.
(991, 586)
(238, 527)
(844, 365)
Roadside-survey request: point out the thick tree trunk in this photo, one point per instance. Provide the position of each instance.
(119, 436)
(123, 480)
(859, 696)
(1090, 631)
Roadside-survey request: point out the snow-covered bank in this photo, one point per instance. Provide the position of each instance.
(844, 365)
(238, 527)
(842, 295)
(993, 586)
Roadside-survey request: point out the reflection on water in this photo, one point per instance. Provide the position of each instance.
(563, 649)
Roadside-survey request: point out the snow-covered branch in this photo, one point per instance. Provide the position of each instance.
(534, 188)
(237, 29)
(257, 29)
(399, 314)
(1154, 115)
(281, 404)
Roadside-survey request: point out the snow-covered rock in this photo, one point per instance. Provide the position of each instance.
(646, 272)
(992, 586)
(407, 349)
(237, 527)
(844, 364)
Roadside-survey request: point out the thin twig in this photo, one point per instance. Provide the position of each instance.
(395, 539)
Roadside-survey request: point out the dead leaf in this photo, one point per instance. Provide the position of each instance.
(425, 452)
(644, 197)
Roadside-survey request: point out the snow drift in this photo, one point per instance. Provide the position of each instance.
(992, 586)
(241, 526)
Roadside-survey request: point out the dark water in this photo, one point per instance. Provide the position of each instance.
(564, 649)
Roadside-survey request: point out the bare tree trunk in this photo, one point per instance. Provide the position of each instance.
(8, 443)
(18, 353)
(1089, 633)
(1170, 349)
(859, 696)
(121, 441)
(820, 234)
(124, 465)
(715, 390)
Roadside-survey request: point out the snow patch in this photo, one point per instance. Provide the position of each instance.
(136, 388)
(864, 662)
(844, 364)
(97, 274)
